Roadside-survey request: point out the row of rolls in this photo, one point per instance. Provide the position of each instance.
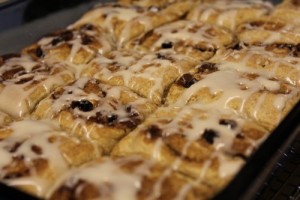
(143, 99)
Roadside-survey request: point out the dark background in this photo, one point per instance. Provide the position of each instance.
(14, 13)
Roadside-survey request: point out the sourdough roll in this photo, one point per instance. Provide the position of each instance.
(35, 153)
(194, 39)
(207, 144)
(127, 22)
(98, 112)
(148, 74)
(24, 82)
(74, 46)
(228, 13)
(129, 177)
(260, 98)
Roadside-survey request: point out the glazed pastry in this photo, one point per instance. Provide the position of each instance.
(261, 98)
(100, 113)
(148, 3)
(149, 75)
(275, 61)
(73, 46)
(35, 153)
(130, 177)
(204, 143)
(195, 39)
(229, 14)
(141, 99)
(4, 119)
(24, 82)
(288, 11)
(268, 31)
(127, 22)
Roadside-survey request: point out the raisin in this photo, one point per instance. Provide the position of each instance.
(240, 136)
(36, 149)
(167, 45)
(15, 147)
(128, 109)
(39, 52)
(98, 118)
(87, 27)
(228, 122)
(207, 68)
(186, 80)
(237, 46)
(154, 132)
(11, 73)
(85, 39)
(63, 36)
(55, 41)
(82, 105)
(25, 80)
(66, 35)
(129, 123)
(161, 56)
(209, 135)
(111, 119)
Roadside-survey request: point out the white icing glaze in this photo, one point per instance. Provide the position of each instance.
(15, 97)
(145, 66)
(27, 134)
(227, 11)
(189, 32)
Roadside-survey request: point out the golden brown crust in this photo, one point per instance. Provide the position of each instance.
(152, 180)
(148, 99)
(267, 101)
(196, 140)
(35, 154)
(149, 74)
(24, 82)
(229, 14)
(268, 30)
(127, 22)
(96, 111)
(194, 39)
(76, 45)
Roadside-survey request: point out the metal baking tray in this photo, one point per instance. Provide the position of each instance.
(272, 172)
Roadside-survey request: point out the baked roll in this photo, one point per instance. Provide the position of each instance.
(198, 141)
(260, 98)
(148, 3)
(24, 82)
(229, 14)
(280, 61)
(5, 119)
(148, 74)
(130, 177)
(268, 30)
(195, 39)
(35, 153)
(288, 11)
(100, 113)
(127, 22)
(73, 45)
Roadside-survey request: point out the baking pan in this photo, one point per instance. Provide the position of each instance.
(11, 13)
(272, 172)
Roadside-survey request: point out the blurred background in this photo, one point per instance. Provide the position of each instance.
(17, 12)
